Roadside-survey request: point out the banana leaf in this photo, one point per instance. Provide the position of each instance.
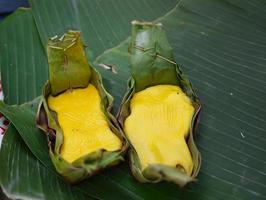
(219, 44)
(152, 63)
(68, 51)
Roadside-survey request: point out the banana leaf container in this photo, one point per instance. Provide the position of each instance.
(69, 69)
(152, 63)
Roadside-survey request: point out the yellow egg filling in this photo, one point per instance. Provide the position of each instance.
(83, 123)
(158, 126)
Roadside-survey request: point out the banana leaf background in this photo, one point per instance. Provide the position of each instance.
(221, 47)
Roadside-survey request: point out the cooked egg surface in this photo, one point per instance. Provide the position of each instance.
(158, 126)
(83, 123)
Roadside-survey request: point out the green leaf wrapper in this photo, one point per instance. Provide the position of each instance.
(152, 63)
(69, 69)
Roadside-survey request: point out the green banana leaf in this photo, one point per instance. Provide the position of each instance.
(68, 51)
(152, 63)
(219, 44)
